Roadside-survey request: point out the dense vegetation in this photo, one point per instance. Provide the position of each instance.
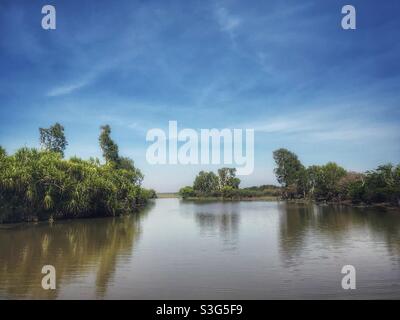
(225, 185)
(40, 184)
(330, 182)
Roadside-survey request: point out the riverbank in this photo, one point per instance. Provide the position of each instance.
(56, 218)
(347, 203)
(259, 198)
(245, 196)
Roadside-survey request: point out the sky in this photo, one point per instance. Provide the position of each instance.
(285, 68)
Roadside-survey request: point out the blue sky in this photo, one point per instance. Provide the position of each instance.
(285, 68)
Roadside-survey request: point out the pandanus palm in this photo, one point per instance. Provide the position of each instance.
(42, 184)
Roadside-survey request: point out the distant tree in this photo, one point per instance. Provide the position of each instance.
(328, 180)
(152, 194)
(230, 192)
(313, 178)
(288, 167)
(332, 182)
(263, 187)
(302, 184)
(227, 178)
(351, 186)
(206, 182)
(53, 138)
(383, 184)
(108, 146)
(186, 192)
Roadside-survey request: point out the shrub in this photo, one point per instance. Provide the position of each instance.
(186, 192)
(40, 184)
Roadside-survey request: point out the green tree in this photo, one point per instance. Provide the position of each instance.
(128, 164)
(3, 152)
(53, 138)
(383, 184)
(152, 194)
(302, 185)
(288, 167)
(290, 173)
(313, 179)
(227, 178)
(186, 192)
(206, 182)
(40, 184)
(108, 146)
(351, 186)
(328, 180)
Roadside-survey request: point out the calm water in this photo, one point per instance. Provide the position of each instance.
(222, 250)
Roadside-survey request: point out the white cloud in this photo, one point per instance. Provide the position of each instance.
(327, 125)
(88, 77)
(67, 89)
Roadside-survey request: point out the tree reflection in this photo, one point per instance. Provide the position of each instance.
(299, 221)
(225, 223)
(74, 248)
(218, 218)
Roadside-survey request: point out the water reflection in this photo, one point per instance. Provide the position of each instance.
(334, 226)
(225, 223)
(220, 219)
(208, 250)
(74, 248)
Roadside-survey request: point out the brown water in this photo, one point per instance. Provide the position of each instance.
(214, 250)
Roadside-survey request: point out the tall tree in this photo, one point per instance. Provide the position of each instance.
(108, 146)
(302, 183)
(328, 181)
(206, 182)
(53, 138)
(288, 167)
(313, 178)
(227, 178)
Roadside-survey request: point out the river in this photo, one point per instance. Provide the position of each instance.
(176, 249)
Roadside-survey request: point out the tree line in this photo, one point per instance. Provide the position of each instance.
(331, 182)
(224, 184)
(39, 184)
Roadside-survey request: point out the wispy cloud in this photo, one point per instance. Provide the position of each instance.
(327, 125)
(67, 89)
(89, 76)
